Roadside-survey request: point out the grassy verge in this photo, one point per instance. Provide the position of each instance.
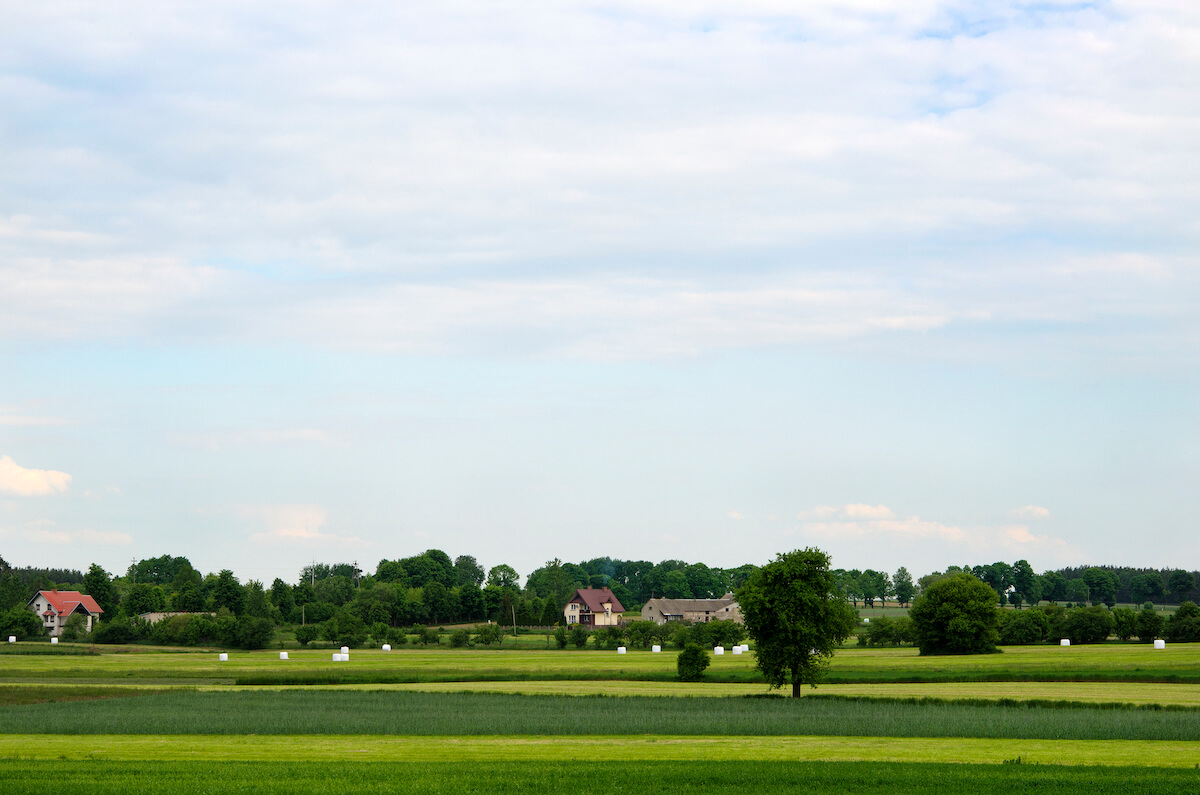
(322, 712)
(584, 777)
(617, 751)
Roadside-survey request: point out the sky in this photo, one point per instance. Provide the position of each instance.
(914, 282)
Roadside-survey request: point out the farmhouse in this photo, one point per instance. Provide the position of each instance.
(593, 607)
(660, 611)
(55, 607)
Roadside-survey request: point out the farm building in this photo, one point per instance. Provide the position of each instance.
(55, 607)
(660, 611)
(593, 607)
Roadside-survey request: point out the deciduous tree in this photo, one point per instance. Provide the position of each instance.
(956, 615)
(797, 616)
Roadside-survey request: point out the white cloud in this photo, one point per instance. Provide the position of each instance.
(15, 479)
(291, 523)
(46, 532)
(1030, 512)
(734, 515)
(858, 511)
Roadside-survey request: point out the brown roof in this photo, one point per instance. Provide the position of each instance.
(595, 598)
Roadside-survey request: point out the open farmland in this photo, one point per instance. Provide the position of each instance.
(899, 717)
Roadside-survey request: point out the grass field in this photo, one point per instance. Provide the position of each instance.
(886, 722)
(1108, 662)
(578, 776)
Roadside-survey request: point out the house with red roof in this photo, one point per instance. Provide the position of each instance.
(593, 607)
(55, 607)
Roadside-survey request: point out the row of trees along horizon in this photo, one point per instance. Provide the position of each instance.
(432, 588)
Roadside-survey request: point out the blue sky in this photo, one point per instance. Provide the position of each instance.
(913, 282)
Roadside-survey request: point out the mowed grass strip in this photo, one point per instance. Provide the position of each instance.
(1108, 662)
(318, 712)
(39, 694)
(577, 776)
(616, 748)
(1134, 693)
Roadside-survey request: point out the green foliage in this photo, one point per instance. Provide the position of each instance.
(492, 633)
(642, 634)
(609, 637)
(21, 622)
(307, 633)
(1024, 627)
(1184, 625)
(1090, 624)
(13, 592)
(1180, 583)
(1149, 624)
(902, 584)
(228, 593)
(98, 584)
(121, 630)
(75, 628)
(956, 615)
(460, 638)
(561, 636)
(886, 631)
(691, 663)
(579, 636)
(797, 616)
(1124, 623)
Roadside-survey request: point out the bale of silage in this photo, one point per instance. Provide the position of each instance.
(656, 649)
(12, 638)
(387, 647)
(620, 650)
(1160, 644)
(283, 655)
(1065, 642)
(346, 650)
(54, 640)
(718, 649)
(223, 657)
(737, 649)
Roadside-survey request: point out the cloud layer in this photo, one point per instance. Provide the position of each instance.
(15, 479)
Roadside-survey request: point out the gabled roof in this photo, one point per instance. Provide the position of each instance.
(595, 598)
(67, 602)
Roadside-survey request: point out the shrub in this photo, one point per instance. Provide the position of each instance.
(956, 615)
(725, 633)
(307, 633)
(1024, 628)
(1149, 624)
(492, 633)
(253, 632)
(1089, 624)
(1124, 623)
(21, 622)
(460, 638)
(119, 631)
(609, 637)
(579, 636)
(1184, 625)
(691, 663)
(397, 636)
(561, 637)
(75, 628)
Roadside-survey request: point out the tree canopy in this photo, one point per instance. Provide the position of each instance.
(956, 615)
(797, 616)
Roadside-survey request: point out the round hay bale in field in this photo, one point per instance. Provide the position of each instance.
(283, 655)
(12, 638)
(737, 649)
(345, 650)
(387, 647)
(1160, 644)
(620, 650)
(1065, 642)
(54, 640)
(718, 649)
(223, 657)
(745, 647)
(656, 649)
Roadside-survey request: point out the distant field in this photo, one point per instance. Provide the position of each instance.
(1104, 662)
(585, 776)
(324, 711)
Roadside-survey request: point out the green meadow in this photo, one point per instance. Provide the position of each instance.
(1111, 718)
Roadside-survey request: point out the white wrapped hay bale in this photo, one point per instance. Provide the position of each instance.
(387, 647)
(866, 621)
(54, 640)
(745, 647)
(223, 657)
(283, 655)
(12, 638)
(718, 649)
(337, 657)
(620, 650)
(1160, 644)
(1065, 642)
(346, 650)
(656, 648)
(737, 649)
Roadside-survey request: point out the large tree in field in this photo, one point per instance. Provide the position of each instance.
(1180, 584)
(902, 584)
(956, 615)
(97, 584)
(797, 616)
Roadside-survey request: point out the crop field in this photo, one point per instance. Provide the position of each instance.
(1095, 719)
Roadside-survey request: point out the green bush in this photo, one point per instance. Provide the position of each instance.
(492, 633)
(460, 638)
(1124, 623)
(22, 622)
(1184, 625)
(956, 615)
(561, 637)
(1090, 624)
(1149, 624)
(307, 633)
(1024, 627)
(579, 636)
(691, 663)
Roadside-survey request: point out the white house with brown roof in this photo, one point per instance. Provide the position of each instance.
(593, 607)
(660, 611)
(55, 607)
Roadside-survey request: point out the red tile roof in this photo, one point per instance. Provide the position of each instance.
(595, 598)
(65, 602)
